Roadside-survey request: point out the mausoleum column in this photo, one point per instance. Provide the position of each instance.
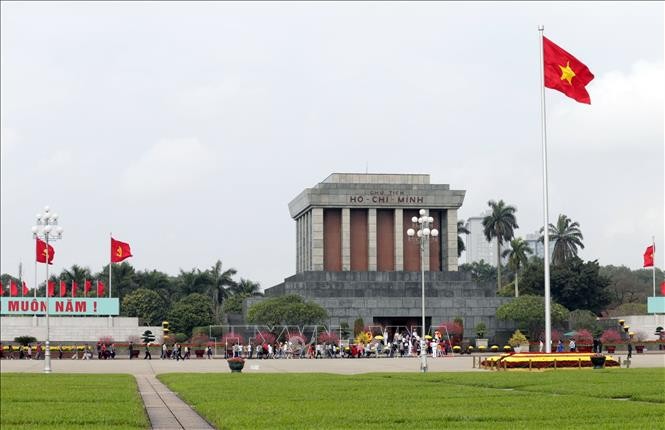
(399, 239)
(371, 237)
(451, 245)
(317, 239)
(346, 239)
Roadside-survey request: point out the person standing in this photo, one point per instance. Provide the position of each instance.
(147, 352)
(60, 352)
(29, 352)
(39, 351)
(559, 346)
(630, 350)
(571, 345)
(131, 349)
(209, 352)
(541, 345)
(164, 354)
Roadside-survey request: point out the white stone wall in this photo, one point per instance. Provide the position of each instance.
(645, 325)
(74, 329)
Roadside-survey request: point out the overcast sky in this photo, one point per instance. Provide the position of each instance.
(186, 128)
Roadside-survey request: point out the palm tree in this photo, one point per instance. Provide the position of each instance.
(220, 283)
(500, 225)
(567, 237)
(247, 288)
(517, 258)
(461, 229)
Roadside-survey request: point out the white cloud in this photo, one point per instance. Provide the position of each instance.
(626, 112)
(170, 165)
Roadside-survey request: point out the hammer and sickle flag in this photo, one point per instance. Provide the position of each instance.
(45, 252)
(565, 73)
(119, 251)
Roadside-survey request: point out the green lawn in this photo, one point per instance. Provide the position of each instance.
(480, 400)
(39, 401)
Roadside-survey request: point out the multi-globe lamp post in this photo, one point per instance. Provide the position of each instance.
(423, 235)
(48, 230)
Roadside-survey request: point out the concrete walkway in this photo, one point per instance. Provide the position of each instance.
(165, 410)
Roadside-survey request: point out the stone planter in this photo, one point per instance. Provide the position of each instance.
(639, 349)
(482, 343)
(598, 361)
(199, 353)
(611, 349)
(236, 366)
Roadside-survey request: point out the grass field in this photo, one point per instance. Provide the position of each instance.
(588, 399)
(39, 401)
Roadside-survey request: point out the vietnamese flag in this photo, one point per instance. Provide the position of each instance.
(74, 287)
(648, 256)
(119, 251)
(13, 289)
(2, 290)
(63, 288)
(87, 286)
(662, 288)
(565, 73)
(26, 291)
(45, 252)
(51, 288)
(100, 288)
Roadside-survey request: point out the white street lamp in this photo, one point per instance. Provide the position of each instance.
(48, 230)
(422, 235)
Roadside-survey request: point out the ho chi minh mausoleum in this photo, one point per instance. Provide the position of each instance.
(354, 258)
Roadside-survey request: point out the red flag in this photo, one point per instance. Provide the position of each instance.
(648, 256)
(565, 73)
(26, 291)
(100, 288)
(74, 287)
(44, 252)
(662, 288)
(13, 289)
(63, 288)
(119, 251)
(87, 287)
(51, 288)
(2, 290)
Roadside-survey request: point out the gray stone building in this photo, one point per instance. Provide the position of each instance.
(354, 258)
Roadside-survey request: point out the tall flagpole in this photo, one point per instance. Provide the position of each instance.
(546, 222)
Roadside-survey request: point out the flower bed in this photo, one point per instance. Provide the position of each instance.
(543, 360)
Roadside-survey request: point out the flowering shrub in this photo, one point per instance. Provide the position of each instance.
(236, 360)
(540, 361)
(199, 339)
(106, 340)
(454, 330)
(610, 336)
(363, 337)
(328, 338)
(583, 337)
(517, 339)
(265, 337)
(231, 338)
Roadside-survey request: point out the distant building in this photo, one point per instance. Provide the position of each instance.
(538, 247)
(477, 246)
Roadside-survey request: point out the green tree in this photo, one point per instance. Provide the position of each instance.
(290, 309)
(220, 283)
(461, 229)
(567, 237)
(480, 271)
(500, 224)
(517, 258)
(145, 304)
(575, 284)
(123, 277)
(191, 311)
(529, 312)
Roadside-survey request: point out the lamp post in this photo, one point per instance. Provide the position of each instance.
(47, 229)
(422, 235)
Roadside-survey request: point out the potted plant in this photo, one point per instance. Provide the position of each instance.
(236, 364)
(481, 341)
(518, 341)
(639, 339)
(610, 338)
(598, 361)
(198, 341)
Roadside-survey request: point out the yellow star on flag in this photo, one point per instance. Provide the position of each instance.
(567, 73)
